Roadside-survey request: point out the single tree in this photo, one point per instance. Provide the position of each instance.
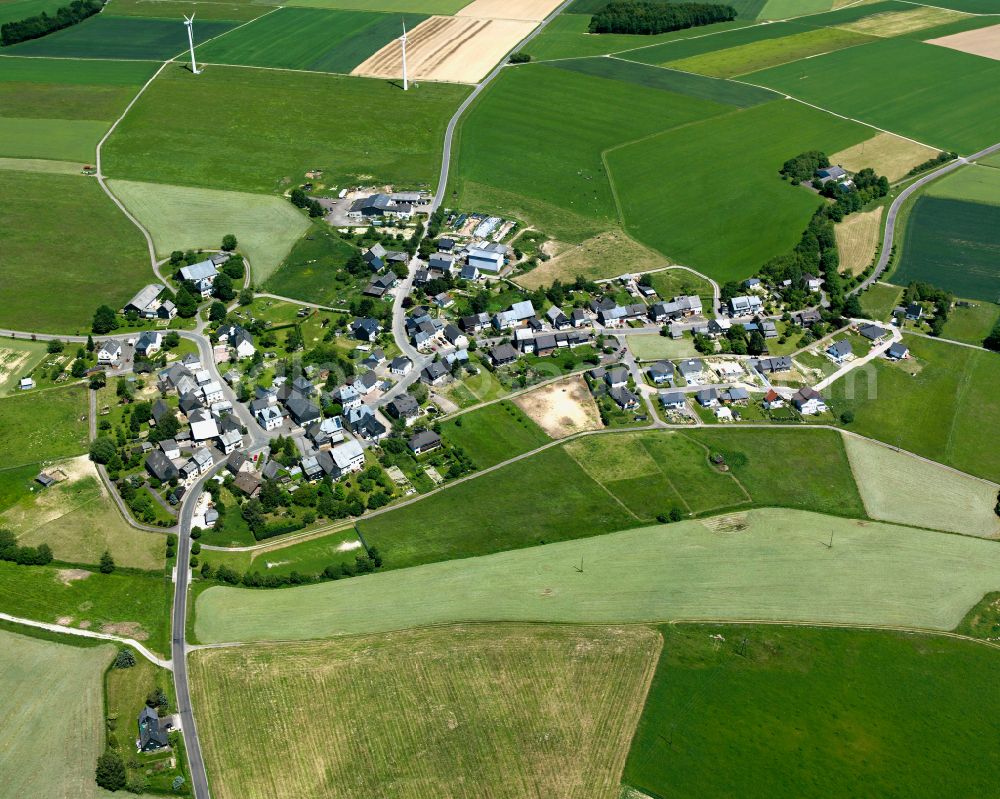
(217, 311)
(107, 563)
(102, 450)
(125, 659)
(105, 320)
(54, 346)
(110, 772)
(229, 242)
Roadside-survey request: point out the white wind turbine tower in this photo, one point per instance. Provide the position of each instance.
(189, 24)
(402, 41)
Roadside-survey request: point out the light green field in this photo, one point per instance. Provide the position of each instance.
(17, 358)
(971, 324)
(781, 9)
(901, 488)
(181, 217)
(880, 299)
(236, 10)
(60, 139)
(494, 433)
(394, 6)
(41, 165)
(52, 692)
(654, 348)
(766, 564)
(306, 557)
(975, 184)
(34, 431)
(500, 711)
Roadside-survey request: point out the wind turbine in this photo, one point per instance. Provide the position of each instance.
(189, 24)
(402, 41)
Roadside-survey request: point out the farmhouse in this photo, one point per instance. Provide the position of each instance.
(831, 173)
(379, 205)
(152, 731)
(203, 426)
(808, 401)
(424, 441)
(147, 304)
(488, 258)
(202, 275)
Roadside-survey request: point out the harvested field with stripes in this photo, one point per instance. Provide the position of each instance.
(528, 10)
(857, 239)
(889, 155)
(454, 49)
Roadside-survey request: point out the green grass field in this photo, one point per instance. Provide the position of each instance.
(63, 71)
(67, 249)
(937, 96)
(49, 688)
(935, 404)
(830, 712)
(392, 6)
(314, 270)
(686, 192)
(694, 44)
(182, 217)
(312, 39)
(972, 323)
(955, 245)
(133, 605)
(297, 122)
(306, 557)
(549, 127)
(880, 299)
(503, 711)
(17, 358)
(766, 564)
(105, 36)
(37, 431)
(59, 139)
(231, 10)
(494, 433)
(973, 184)
(897, 487)
(653, 348)
(13, 10)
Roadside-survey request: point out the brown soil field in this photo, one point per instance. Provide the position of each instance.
(896, 23)
(607, 255)
(529, 10)
(857, 238)
(453, 49)
(563, 408)
(984, 42)
(886, 153)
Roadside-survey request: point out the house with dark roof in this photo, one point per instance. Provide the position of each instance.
(503, 354)
(302, 410)
(707, 397)
(380, 285)
(897, 351)
(618, 376)
(365, 329)
(400, 365)
(152, 731)
(424, 441)
(160, 467)
(673, 400)
(873, 333)
(808, 401)
(434, 374)
(661, 372)
(623, 398)
(839, 351)
(404, 407)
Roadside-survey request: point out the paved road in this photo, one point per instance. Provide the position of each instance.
(890, 220)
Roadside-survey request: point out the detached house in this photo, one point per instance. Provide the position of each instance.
(149, 343)
(839, 351)
(808, 401)
(202, 275)
(110, 352)
(424, 441)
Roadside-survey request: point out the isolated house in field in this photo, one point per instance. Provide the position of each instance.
(829, 173)
(808, 401)
(202, 275)
(152, 731)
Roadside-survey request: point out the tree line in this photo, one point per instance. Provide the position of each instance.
(649, 18)
(363, 564)
(42, 24)
(24, 556)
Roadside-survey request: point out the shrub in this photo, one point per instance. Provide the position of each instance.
(125, 659)
(110, 772)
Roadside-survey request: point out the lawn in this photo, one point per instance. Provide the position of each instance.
(548, 127)
(937, 96)
(494, 433)
(182, 217)
(765, 564)
(971, 323)
(693, 195)
(305, 557)
(105, 36)
(954, 245)
(49, 688)
(36, 430)
(831, 712)
(67, 249)
(647, 347)
(879, 300)
(278, 125)
(936, 403)
(313, 39)
(132, 605)
(504, 711)
(900, 488)
(314, 270)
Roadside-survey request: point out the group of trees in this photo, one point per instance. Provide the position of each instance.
(301, 200)
(918, 292)
(42, 24)
(803, 166)
(942, 157)
(868, 186)
(363, 564)
(25, 556)
(992, 341)
(649, 18)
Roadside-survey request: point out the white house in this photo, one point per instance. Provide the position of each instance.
(110, 352)
(202, 274)
(808, 401)
(230, 441)
(203, 426)
(347, 457)
(26, 384)
(269, 417)
(213, 392)
(746, 305)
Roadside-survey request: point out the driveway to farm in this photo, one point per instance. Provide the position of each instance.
(890, 221)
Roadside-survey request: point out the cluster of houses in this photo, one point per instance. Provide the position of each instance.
(396, 206)
(467, 261)
(381, 261)
(615, 382)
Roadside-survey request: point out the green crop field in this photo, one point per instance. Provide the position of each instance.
(63, 71)
(778, 9)
(937, 96)
(765, 564)
(46, 687)
(60, 139)
(494, 433)
(13, 10)
(697, 198)
(936, 404)
(67, 249)
(134, 605)
(880, 299)
(900, 488)
(232, 10)
(132, 38)
(298, 123)
(830, 712)
(393, 6)
(971, 323)
(35, 431)
(548, 127)
(182, 217)
(974, 184)
(693, 44)
(503, 711)
(953, 244)
(314, 270)
(312, 39)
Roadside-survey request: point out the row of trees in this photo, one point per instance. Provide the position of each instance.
(363, 564)
(648, 18)
(25, 556)
(301, 200)
(42, 24)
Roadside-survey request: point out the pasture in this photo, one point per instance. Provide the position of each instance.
(670, 283)
(858, 239)
(445, 712)
(900, 488)
(596, 258)
(314, 270)
(971, 323)
(937, 96)
(954, 245)
(313, 39)
(936, 403)
(48, 688)
(889, 155)
(36, 431)
(183, 217)
(717, 232)
(879, 300)
(59, 139)
(764, 564)
(298, 124)
(132, 605)
(307, 556)
(91, 255)
(721, 713)
(502, 711)
(494, 433)
(976, 184)
(131, 38)
(563, 408)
